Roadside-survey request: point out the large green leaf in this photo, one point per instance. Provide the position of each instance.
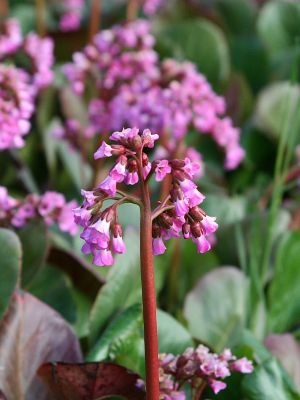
(34, 239)
(284, 293)
(269, 381)
(53, 287)
(172, 336)
(201, 42)
(10, 266)
(279, 24)
(121, 327)
(287, 350)
(122, 289)
(216, 308)
(276, 104)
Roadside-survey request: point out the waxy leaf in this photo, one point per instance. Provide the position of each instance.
(31, 333)
(269, 381)
(284, 292)
(172, 336)
(90, 381)
(10, 266)
(287, 350)
(190, 40)
(122, 289)
(216, 308)
(34, 239)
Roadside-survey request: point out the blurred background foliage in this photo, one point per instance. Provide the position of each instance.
(246, 292)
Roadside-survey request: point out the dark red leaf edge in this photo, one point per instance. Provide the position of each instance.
(90, 381)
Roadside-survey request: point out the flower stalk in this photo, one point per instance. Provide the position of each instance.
(148, 292)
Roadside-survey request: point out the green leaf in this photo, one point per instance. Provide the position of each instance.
(201, 42)
(284, 293)
(83, 306)
(216, 308)
(121, 327)
(53, 287)
(279, 25)
(79, 171)
(269, 381)
(275, 104)
(287, 350)
(122, 289)
(34, 239)
(172, 336)
(10, 266)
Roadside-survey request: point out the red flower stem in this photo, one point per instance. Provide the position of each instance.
(4, 8)
(132, 10)
(148, 293)
(200, 391)
(41, 17)
(95, 18)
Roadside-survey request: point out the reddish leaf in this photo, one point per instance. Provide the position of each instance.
(287, 350)
(31, 333)
(2, 397)
(90, 381)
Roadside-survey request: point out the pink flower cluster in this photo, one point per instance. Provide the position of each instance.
(16, 106)
(198, 368)
(20, 85)
(150, 7)
(134, 88)
(51, 207)
(10, 37)
(72, 14)
(178, 215)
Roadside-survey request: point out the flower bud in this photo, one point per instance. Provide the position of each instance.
(196, 229)
(156, 230)
(132, 166)
(197, 213)
(177, 164)
(186, 230)
(165, 221)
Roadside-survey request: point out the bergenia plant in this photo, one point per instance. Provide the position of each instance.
(126, 84)
(198, 368)
(26, 69)
(177, 215)
(51, 207)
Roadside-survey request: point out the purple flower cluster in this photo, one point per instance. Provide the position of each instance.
(177, 215)
(51, 207)
(133, 88)
(198, 368)
(150, 7)
(19, 86)
(10, 37)
(16, 106)
(71, 16)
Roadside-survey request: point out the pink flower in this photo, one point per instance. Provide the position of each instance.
(217, 386)
(148, 138)
(202, 244)
(146, 169)
(131, 178)
(158, 246)
(181, 207)
(242, 365)
(109, 186)
(103, 258)
(65, 218)
(118, 245)
(81, 215)
(105, 150)
(209, 224)
(118, 172)
(161, 170)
